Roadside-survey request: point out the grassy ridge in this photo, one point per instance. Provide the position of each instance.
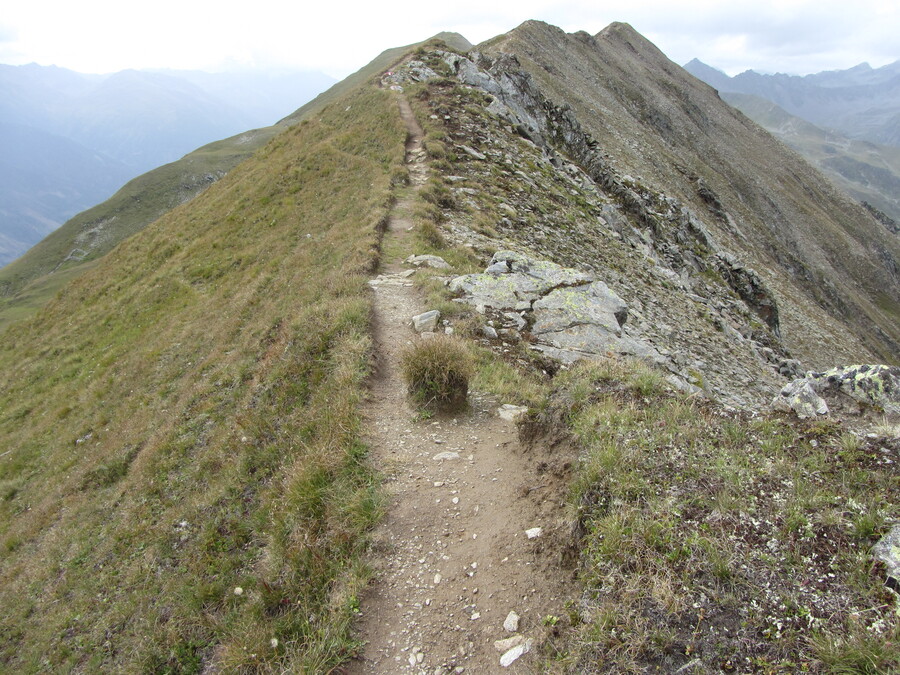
(181, 422)
(29, 282)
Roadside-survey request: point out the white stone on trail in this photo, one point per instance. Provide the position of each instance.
(511, 412)
(446, 455)
(511, 623)
(509, 657)
(433, 261)
(534, 532)
(508, 643)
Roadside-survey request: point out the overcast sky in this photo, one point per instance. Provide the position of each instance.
(793, 36)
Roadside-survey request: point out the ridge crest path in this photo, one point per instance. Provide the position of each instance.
(451, 557)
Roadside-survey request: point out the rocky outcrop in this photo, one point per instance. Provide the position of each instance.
(674, 234)
(856, 388)
(563, 312)
(538, 185)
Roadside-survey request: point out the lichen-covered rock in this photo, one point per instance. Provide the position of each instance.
(513, 281)
(800, 397)
(585, 318)
(887, 550)
(572, 315)
(874, 385)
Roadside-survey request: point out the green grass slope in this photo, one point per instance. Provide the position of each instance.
(181, 483)
(712, 541)
(29, 282)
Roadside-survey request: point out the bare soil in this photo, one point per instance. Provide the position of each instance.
(452, 557)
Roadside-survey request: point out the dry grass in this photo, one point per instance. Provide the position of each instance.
(437, 371)
(182, 421)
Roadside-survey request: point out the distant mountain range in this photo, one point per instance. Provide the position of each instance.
(862, 102)
(70, 139)
(833, 119)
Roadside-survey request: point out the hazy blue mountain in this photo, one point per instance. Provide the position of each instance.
(861, 102)
(46, 179)
(265, 96)
(70, 140)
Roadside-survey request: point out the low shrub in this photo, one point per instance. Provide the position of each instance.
(437, 371)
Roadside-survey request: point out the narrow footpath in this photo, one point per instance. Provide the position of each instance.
(455, 569)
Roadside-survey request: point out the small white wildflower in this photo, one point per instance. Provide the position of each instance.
(238, 590)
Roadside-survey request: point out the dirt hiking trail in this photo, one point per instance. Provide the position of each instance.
(452, 557)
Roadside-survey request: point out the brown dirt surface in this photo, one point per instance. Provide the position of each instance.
(451, 557)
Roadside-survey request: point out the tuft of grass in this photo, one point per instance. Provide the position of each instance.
(437, 371)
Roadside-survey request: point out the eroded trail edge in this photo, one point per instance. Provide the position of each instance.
(454, 563)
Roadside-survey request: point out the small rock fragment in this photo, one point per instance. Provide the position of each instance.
(534, 532)
(427, 321)
(511, 412)
(511, 623)
(446, 455)
(508, 643)
(509, 657)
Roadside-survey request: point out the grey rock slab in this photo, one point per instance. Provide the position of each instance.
(434, 261)
(427, 321)
(511, 622)
(887, 550)
(592, 304)
(507, 291)
(513, 281)
(800, 397)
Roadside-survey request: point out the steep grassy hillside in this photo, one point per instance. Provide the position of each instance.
(181, 483)
(29, 282)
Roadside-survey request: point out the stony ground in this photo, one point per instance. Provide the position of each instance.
(453, 559)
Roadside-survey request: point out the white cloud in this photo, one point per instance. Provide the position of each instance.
(339, 37)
